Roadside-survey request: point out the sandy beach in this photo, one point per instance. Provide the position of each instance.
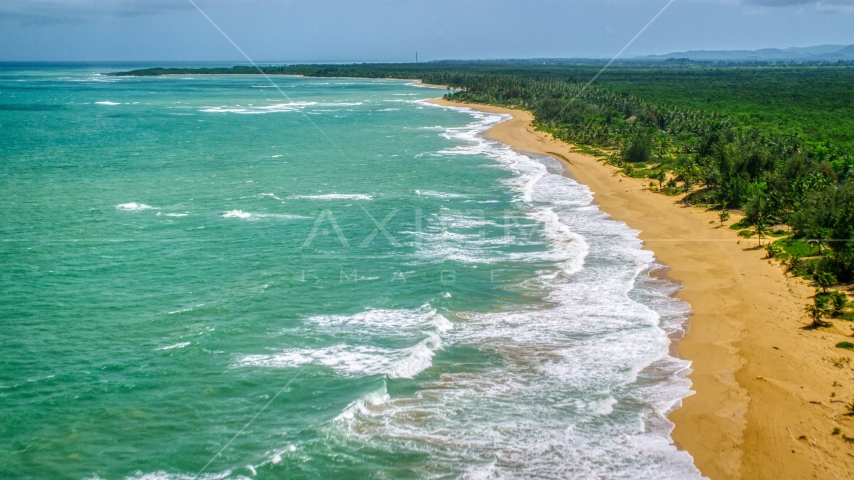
(769, 393)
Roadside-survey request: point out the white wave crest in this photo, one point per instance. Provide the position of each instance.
(271, 195)
(237, 214)
(275, 108)
(430, 193)
(377, 321)
(333, 196)
(423, 326)
(379, 396)
(355, 360)
(133, 206)
(258, 216)
(162, 475)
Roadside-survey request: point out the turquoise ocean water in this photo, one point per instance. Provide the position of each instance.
(204, 279)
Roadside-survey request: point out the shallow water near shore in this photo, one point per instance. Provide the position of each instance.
(205, 278)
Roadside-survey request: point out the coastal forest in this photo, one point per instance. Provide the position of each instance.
(774, 143)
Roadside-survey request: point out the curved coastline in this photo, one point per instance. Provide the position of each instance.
(762, 406)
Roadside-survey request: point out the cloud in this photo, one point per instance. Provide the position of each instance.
(825, 6)
(74, 11)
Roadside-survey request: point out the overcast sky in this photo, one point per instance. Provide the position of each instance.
(393, 30)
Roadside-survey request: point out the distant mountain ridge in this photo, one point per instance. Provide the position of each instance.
(804, 54)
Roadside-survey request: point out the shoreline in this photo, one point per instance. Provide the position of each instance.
(763, 406)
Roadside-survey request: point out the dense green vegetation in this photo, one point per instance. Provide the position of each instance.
(775, 142)
(816, 103)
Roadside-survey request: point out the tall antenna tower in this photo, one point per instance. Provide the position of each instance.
(416, 57)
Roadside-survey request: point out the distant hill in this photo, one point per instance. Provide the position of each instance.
(797, 54)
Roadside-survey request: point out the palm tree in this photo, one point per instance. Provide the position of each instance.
(774, 250)
(816, 311)
(794, 262)
(759, 226)
(757, 208)
(661, 177)
(723, 215)
(824, 280)
(840, 303)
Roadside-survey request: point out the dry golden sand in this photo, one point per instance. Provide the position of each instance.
(768, 394)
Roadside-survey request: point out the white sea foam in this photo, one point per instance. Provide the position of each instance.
(177, 345)
(107, 103)
(275, 108)
(461, 236)
(372, 399)
(93, 79)
(333, 196)
(430, 193)
(271, 195)
(376, 320)
(259, 216)
(466, 246)
(355, 360)
(237, 214)
(421, 327)
(162, 475)
(133, 206)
